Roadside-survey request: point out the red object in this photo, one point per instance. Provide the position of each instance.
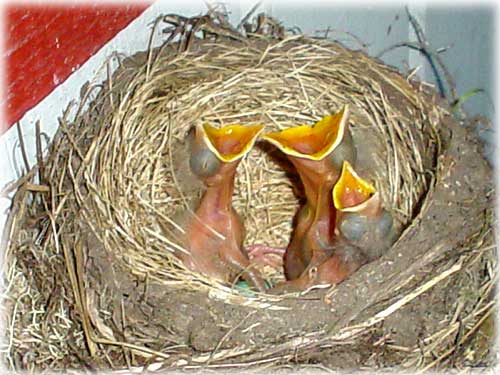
(46, 43)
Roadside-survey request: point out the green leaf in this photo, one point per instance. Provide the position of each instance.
(458, 103)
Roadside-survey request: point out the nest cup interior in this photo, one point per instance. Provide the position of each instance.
(136, 179)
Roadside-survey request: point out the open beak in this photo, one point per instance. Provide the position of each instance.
(312, 142)
(231, 142)
(351, 193)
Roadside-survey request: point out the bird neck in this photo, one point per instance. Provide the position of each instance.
(318, 180)
(324, 215)
(219, 194)
(318, 183)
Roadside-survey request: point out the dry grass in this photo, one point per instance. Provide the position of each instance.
(138, 184)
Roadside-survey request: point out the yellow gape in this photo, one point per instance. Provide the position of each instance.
(312, 142)
(351, 191)
(231, 142)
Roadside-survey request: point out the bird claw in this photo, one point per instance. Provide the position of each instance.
(266, 255)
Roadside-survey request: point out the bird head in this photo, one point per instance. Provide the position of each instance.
(351, 193)
(314, 142)
(212, 147)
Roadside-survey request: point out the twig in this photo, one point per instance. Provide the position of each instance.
(244, 20)
(72, 268)
(428, 51)
(463, 339)
(39, 153)
(37, 187)
(329, 30)
(227, 334)
(15, 185)
(22, 146)
(150, 45)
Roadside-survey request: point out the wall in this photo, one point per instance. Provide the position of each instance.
(46, 43)
(470, 32)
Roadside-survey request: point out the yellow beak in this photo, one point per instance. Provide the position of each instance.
(231, 142)
(312, 142)
(351, 192)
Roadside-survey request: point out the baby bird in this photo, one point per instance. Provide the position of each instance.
(361, 219)
(364, 230)
(214, 234)
(317, 153)
(345, 259)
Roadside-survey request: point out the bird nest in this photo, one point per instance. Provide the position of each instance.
(91, 276)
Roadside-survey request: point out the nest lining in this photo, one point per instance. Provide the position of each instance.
(142, 178)
(119, 169)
